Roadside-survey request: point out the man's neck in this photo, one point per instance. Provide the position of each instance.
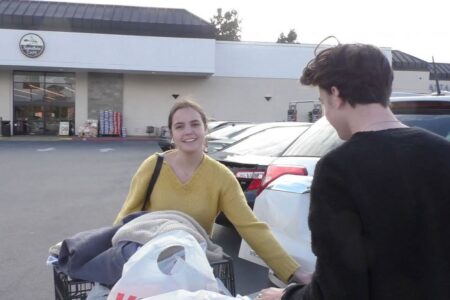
(372, 117)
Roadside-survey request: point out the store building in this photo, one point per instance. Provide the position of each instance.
(415, 75)
(67, 62)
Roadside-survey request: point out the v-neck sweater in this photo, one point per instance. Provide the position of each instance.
(211, 189)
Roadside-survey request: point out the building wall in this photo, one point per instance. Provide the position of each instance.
(148, 99)
(266, 60)
(6, 87)
(411, 81)
(261, 60)
(245, 73)
(81, 99)
(111, 52)
(105, 92)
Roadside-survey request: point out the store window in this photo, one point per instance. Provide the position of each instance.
(41, 101)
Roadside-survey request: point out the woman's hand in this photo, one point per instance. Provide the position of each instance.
(270, 294)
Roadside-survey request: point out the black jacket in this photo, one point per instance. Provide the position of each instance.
(379, 219)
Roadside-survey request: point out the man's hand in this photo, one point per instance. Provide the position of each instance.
(301, 277)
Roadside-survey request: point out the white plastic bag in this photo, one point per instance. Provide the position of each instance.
(142, 276)
(187, 295)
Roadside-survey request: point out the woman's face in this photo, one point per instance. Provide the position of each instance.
(188, 130)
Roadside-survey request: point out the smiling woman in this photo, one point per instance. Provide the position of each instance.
(192, 182)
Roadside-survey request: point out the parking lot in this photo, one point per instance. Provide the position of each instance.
(50, 190)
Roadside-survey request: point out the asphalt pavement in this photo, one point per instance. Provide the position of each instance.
(53, 188)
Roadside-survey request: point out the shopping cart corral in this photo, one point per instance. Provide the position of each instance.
(74, 289)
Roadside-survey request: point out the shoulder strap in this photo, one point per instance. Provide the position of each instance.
(152, 182)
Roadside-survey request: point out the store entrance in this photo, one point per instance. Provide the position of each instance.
(40, 119)
(42, 100)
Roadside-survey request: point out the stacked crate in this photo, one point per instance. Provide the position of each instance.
(110, 123)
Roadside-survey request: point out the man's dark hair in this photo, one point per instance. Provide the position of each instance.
(362, 73)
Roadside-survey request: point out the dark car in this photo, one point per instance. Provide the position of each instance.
(225, 133)
(249, 158)
(217, 142)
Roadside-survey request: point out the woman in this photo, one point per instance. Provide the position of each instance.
(192, 182)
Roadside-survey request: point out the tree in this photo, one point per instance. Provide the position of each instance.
(291, 37)
(227, 25)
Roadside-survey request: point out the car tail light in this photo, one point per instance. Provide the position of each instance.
(275, 171)
(255, 176)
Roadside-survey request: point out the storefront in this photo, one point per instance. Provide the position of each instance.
(41, 101)
(68, 63)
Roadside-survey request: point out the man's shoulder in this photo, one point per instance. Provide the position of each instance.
(422, 140)
(382, 144)
(425, 134)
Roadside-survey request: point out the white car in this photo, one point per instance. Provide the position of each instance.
(280, 204)
(284, 203)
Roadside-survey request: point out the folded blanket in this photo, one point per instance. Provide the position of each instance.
(147, 226)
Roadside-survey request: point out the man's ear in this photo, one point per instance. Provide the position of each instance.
(334, 91)
(336, 98)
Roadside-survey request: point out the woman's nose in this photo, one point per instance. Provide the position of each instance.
(190, 128)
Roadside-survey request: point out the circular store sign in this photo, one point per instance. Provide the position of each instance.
(31, 45)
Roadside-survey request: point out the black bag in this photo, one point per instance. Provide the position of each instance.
(153, 179)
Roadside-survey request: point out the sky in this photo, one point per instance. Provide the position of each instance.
(419, 28)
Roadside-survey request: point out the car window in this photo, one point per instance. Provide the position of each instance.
(270, 142)
(320, 138)
(249, 131)
(214, 125)
(438, 124)
(226, 131)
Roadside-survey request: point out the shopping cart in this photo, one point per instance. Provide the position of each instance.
(74, 289)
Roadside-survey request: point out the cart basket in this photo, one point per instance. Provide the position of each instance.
(75, 289)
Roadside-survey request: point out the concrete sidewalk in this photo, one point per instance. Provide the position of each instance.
(43, 138)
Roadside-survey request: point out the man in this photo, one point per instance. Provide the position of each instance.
(380, 203)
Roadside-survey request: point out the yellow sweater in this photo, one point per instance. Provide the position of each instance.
(212, 188)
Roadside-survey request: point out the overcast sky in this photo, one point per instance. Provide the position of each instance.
(419, 28)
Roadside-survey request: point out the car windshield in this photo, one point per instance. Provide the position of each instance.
(214, 124)
(320, 138)
(226, 131)
(316, 141)
(249, 131)
(270, 142)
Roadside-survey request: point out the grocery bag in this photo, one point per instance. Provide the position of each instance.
(143, 276)
(187, 295)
